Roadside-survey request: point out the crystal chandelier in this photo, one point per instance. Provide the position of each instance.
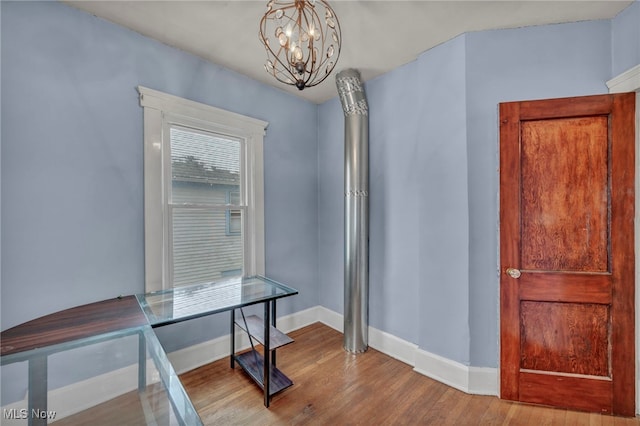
(302, 39)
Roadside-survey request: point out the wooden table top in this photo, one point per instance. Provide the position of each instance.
(72, 324)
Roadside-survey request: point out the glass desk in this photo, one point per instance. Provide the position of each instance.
(103, 364)
(185, 303)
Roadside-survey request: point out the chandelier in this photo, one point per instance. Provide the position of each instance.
(302, 39)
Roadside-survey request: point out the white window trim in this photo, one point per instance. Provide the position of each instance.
(160, 107)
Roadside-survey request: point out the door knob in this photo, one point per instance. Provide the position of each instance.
(513, 272)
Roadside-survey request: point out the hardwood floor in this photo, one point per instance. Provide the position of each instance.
(332, 387)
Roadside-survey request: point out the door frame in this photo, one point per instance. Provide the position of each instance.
(629, 81)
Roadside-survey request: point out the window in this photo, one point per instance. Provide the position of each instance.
(204, 202)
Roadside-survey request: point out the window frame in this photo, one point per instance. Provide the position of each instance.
(162, 110)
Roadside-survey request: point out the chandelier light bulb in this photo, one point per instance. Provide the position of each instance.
(302, 39)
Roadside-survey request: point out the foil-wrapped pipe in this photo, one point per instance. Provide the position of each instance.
(356, 210)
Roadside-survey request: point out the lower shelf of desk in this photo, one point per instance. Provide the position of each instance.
(252, 362)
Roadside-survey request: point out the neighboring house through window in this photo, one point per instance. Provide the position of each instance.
(234, 217)
(204, 202)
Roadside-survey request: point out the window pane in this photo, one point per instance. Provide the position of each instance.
(235, 222)
(234, 198)
(203, 250)
(205, 168)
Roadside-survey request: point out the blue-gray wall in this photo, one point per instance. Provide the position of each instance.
(625, 44)
(434, 174)
(72, 163)
(71, 168)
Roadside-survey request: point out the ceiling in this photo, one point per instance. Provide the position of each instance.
(378, 36)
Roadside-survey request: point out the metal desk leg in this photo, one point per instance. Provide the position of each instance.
(273, 323)
(142, 362)
(267, 355)
(38, 391)
(233, 339)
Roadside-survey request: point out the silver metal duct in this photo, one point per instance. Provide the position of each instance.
(356, 210)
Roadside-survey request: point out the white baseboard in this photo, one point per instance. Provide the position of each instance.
(330, 318)
(393, 346)
(473, 380)
(79, 396)
(299, 319)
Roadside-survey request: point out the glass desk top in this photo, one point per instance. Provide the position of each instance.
(183, 303)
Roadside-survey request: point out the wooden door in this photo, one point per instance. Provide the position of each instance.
(567, 253)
